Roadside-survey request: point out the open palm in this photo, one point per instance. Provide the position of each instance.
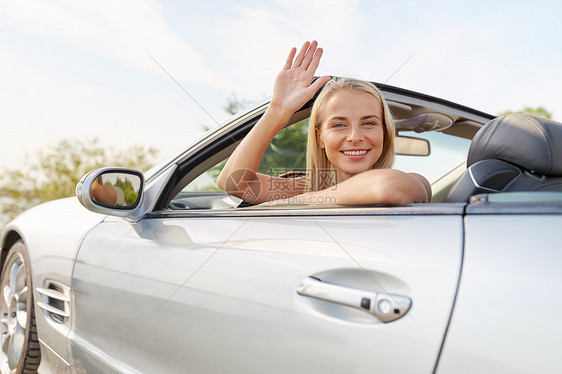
(293, 87)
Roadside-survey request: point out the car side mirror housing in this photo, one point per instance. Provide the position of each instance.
(113, 191)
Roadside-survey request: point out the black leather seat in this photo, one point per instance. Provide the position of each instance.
(516, 152)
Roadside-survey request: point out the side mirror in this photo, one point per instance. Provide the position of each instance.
(113, 191)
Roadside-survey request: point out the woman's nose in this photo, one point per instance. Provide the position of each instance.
(355, 134)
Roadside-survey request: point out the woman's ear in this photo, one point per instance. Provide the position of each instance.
(319, 140)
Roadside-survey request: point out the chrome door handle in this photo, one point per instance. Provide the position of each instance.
(386, 307)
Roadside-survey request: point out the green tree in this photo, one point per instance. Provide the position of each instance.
(128, 190)
(287, 151)
(54, 172)
(538, 111)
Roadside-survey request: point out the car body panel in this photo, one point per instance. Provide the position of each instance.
(52, 252)
(231, 293)
(509, 296)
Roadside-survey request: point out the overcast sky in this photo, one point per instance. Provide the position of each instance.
(84, 69)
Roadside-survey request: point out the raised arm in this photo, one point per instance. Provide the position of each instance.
(292, 89)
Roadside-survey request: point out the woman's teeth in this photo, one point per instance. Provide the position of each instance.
(354, 153)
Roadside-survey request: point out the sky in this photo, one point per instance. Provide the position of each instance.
(110, 69)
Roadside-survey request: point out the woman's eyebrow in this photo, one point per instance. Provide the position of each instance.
(362, 118)
(338, 118)
(371, 116)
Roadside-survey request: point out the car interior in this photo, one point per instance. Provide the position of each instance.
(513, 153)
(435, 138)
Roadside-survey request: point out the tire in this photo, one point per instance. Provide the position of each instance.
(20, 351)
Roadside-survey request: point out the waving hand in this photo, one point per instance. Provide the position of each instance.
(292, 89)
(293, 86)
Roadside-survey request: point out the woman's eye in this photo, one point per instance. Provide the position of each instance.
(338, 125)
(369, 124)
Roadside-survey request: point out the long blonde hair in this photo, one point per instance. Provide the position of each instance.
(320, 171)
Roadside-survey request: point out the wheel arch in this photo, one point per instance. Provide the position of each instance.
(11, 237)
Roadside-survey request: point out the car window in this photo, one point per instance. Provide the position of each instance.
(447, 153)
(287, 153)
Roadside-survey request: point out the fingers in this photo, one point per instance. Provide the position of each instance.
(308, 56)
(302, 53)
(315, 60)
(313, 50)
(320, 81)
(289, 61)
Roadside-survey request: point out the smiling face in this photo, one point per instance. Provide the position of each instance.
(352, 132)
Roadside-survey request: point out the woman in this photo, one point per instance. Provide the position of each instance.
(350, 144)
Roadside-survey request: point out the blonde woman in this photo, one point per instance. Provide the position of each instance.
(350, 144)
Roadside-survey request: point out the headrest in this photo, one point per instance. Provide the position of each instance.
(530, 142)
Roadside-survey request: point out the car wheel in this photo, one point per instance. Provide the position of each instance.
(20, 345)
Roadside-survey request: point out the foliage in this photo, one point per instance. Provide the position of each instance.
(287, 151)
(129, 191)
(538, 111)
(235, 104)
(54, 172)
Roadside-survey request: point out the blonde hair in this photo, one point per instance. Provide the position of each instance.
(320, 171)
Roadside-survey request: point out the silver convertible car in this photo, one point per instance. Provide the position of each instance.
(180, 277)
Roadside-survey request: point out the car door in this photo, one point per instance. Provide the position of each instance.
(507, 315)
(268, 290)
